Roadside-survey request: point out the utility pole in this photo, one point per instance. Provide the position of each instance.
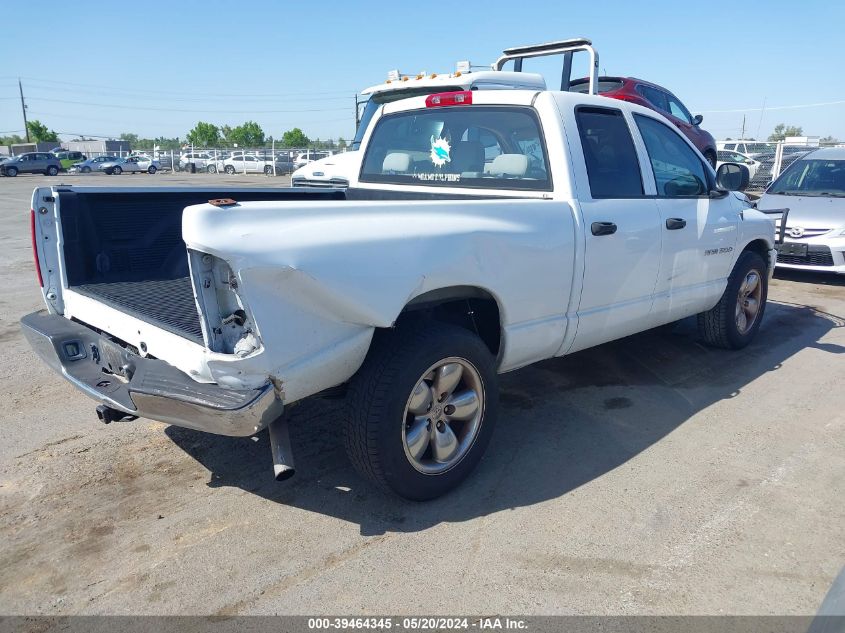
(742, 136)
(23, 109)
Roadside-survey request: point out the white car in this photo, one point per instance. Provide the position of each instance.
(247, 164)
(752, 149)
(813, 189)
(335, 171)
(198, 159)
(727, 156)
(448, 261)
(131, 165)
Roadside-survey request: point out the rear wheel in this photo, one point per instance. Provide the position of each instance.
(268, 171)
(116, 170)
(422, 409)
(52, 170)
(734, 321)
(211, 169)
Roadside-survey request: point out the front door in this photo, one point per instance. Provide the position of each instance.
(622, 231)
(699, 231)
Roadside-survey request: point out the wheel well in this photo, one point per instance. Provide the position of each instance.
(469, 307)
(760, 247)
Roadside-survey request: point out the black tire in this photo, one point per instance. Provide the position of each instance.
(151, 170)
(52, 170)
(229, 169)
(718, 326)
(211, 169)
(710, 155)
(268, 171)
(11, 171)
(86, 170)
(116, 170)
(380, 391)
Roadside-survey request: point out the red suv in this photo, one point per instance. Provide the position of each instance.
(657, 98)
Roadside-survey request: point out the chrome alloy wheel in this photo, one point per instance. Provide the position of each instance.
(443, 415)
(748, 301)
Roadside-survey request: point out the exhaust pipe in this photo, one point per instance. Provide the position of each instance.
(280, 447)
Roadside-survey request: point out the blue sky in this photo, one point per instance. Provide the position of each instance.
(156, 68)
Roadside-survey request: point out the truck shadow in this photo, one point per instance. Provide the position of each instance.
(563, 423)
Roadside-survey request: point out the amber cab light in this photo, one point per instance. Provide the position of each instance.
(442, 99)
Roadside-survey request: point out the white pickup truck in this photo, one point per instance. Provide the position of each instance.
(483, 232)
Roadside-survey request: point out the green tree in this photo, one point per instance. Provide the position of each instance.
(828, 140)
(782, 130)
(295, 138)
(204, 135)
(13, 139)
(131, 138)
(249, 134)
(39, 133)
(341, 143)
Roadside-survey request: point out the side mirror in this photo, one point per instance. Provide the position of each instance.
(732, 177)
(749, 161)
(697, 119)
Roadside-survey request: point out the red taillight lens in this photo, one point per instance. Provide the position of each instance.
(35, 247)
(448, 99)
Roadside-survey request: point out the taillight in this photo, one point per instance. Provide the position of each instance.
(35, 247)
(448, 99)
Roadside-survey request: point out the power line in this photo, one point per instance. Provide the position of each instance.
(786, 107)
(192, 110)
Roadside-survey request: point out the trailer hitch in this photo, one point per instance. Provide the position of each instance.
(107, 415)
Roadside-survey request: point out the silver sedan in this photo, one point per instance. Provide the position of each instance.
(131, 165)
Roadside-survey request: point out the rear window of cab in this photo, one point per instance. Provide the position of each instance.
(489, 147)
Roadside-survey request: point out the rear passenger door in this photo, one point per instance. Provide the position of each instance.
(698, 232)
(622, 229)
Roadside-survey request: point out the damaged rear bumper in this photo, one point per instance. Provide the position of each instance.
(146, 387)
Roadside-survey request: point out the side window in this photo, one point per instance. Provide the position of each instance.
(677, 109)
(612, 165)
(678, 172)
(730, 146)
(656, 97)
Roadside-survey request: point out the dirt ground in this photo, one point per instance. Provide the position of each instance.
(651, 475)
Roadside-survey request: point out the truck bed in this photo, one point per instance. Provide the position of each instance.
(165, 303)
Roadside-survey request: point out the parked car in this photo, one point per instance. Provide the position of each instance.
(753, 149)
(246, 163)
(284, 166)
(198, 159)
(488, 230)
(132, 165)
(813, 189)
(146, 163)
(660, 99)
(725, 156)
(305, 158)
(31, 163)
(92, 164)
(69, 159)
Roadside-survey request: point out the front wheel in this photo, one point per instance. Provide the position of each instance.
(211, 169)
(268, 171)
(86, 170)
(734, 321)
(229, 169)
(422, 409)
(11, 171)
(151, 170)
(116, 171)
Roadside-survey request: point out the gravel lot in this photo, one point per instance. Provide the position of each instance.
(650, 475)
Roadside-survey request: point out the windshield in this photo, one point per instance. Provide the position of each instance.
(388, 97)
(812, 178)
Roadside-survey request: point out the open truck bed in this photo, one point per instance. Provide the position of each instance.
(124, 249)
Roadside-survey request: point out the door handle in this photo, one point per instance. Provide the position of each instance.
(673, 224)
(603, 228)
